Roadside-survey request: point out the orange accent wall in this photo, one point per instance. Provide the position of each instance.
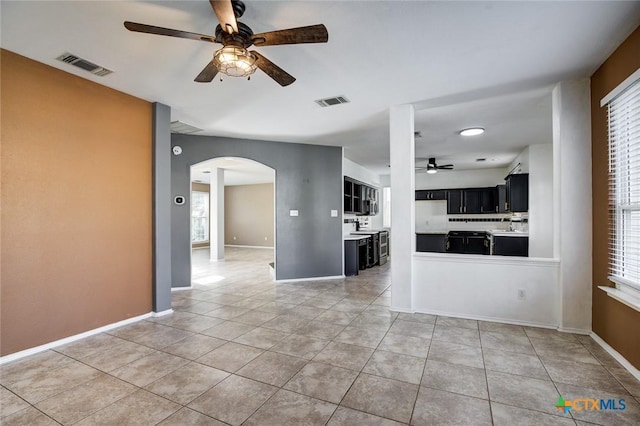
(616, 323)
(76, 204)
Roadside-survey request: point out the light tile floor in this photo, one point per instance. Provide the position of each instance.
(240, 349)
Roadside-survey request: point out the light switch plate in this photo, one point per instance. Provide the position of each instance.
(334, 213)
(293, 212)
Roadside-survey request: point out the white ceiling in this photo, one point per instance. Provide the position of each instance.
(460, 63)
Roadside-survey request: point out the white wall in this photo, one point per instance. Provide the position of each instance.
(431, 216)
(523, 160)
(461, 179)
(541, 200)
(403, 241)
(486, 287)
(357, 172)
(572, 200)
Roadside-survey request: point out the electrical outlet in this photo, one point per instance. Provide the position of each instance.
(234, 237)
(265, 238)
(522, 294)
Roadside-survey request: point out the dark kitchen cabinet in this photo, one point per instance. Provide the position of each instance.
(352, 196)
(424, 194)
(488, 202)
(501, 204)
(455, 201)
(351, 258)
(471, 201)
(435, 243)
(359, 198)
(475, 243)
(456, 242)
(467, 242)
(517, 192)
(511, 246)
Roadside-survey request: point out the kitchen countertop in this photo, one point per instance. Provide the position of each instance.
(494, 232)
(501, 233)
(354, 237)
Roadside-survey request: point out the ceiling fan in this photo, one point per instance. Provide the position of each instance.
(233, 59)
(431, 166)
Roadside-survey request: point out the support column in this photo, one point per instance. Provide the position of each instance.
(402, 153)
(216, 214)
(572, 200)
(161, 176)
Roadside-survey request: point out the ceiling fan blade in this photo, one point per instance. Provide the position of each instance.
(224, 11)
(446, 167)
(272, 70)
(207, 74)
(150, 29)
(311, 34)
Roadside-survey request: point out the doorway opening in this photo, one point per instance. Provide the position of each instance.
(233, 231)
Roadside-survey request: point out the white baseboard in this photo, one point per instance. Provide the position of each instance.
(256, 247)
(162, 313)
(574, 331)
(403, 310)
(47, 346)
(488, 319)
(622, 360)
(181, 288)
(332, 277)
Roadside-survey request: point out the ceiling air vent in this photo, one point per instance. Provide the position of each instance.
(84, 64)
(332, 101)
(180, 127)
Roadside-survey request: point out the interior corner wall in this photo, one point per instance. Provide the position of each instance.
(615, 323)
(541, 200)
(308, 179)
(76, 195)
(249, 215)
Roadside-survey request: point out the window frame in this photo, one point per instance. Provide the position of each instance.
(623, 182)
(207, 217)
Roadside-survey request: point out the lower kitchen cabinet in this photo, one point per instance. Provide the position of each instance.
(511, 246)
(467, 242)
(434, 243)
(351, 258)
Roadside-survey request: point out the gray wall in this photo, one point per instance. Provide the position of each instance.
(161, 211)
(308, 179)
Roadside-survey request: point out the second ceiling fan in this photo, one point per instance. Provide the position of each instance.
(431, 166)
(233, 58)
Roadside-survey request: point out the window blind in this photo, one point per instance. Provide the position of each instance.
(624, 187)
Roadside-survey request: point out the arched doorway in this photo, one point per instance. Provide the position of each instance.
(232, 221)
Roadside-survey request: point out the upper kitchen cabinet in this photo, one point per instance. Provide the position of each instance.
(359, 198)
(431, 195)
(352, 196)
(517, 192)
(455, 201)
(471, 201)
(501, 193)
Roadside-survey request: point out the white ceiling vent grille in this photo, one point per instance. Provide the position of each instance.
(180, 127)
(77, 61)
(332, 101)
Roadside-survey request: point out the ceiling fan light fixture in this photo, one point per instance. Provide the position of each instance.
(472, 131)
(235, 61)
(432, 169)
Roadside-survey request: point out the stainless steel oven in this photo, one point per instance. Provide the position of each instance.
(384, 247)
(379, 241)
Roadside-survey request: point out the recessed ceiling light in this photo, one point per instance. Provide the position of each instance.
(473, 131)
